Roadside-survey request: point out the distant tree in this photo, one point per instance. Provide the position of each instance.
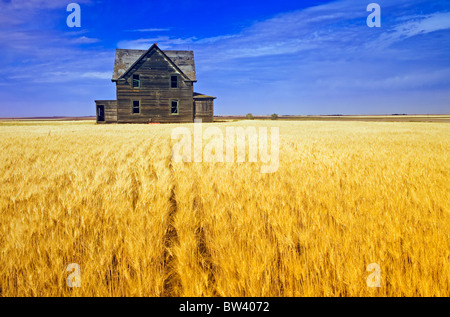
(274, 116)
(249, 116)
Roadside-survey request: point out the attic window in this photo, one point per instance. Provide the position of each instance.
(174, 107)
(136, 106)
(174, 81)
(136, 81)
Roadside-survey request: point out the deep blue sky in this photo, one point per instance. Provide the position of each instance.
(262, 57)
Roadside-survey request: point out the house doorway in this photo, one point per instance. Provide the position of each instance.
(100, 113)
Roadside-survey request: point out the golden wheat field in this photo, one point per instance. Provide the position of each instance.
(111, 199)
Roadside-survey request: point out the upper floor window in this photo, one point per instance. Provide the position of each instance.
(136, 81)
(174, 81)
(136, 106)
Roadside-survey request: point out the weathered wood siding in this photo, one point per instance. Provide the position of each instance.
(155, 93)
(204, 109)
(110, 107)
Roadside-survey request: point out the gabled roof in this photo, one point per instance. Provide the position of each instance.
(127, 58)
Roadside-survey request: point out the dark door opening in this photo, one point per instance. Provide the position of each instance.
(193, 110)
(100, 113)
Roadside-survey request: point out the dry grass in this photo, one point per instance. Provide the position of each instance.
(109, 198)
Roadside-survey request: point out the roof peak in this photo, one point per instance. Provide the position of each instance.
(126, 58)
(145, 50)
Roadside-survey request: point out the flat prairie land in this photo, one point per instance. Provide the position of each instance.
(111, 199)
(372, 118)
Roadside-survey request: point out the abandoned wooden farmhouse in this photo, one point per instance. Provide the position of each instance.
(155, 86)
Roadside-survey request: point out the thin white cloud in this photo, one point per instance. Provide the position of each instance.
(150, 30)
(97, 75)
(145, 43)
(215, 39)
(63, 76)
(85, 40)
(417, 25)
(168, 42)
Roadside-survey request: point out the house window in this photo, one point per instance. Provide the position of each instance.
(174, 81)
(174, 107)
(136, 106)
(136, 81)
